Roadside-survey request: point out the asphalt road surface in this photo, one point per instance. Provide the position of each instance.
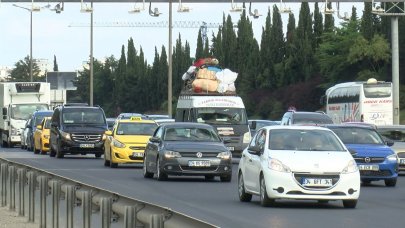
(218, 203)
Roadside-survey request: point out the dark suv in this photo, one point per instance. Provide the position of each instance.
(305, 118)
(77, 129)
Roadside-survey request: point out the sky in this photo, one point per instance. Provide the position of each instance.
(52, 35)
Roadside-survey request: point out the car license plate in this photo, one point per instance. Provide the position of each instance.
(230, 148)
(369, 167)
(199, 163)
(316, 182)
(137, 154)
(401, 161)
(86, 145)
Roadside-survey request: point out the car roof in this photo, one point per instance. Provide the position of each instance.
(135, 121)
(348, 126)
(296, 127)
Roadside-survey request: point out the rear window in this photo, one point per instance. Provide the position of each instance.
(136, 128)
(312, 119)
(191, 134)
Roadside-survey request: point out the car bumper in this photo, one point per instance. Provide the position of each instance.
(72, 147)
(181, 166)
(126, 155)
(281, 185)
(386, 170)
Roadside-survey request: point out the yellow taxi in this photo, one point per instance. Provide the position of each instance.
(41, 136)
(127, 141)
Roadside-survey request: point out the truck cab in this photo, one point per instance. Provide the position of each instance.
(226, 112)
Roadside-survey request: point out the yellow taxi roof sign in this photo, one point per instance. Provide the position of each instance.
(136, 118)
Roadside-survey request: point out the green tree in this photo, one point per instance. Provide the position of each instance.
(21, 71)
(318, 26)
(55, 64)
(329, 24)
(366, 27)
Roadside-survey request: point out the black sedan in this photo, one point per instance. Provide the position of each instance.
(190, 149)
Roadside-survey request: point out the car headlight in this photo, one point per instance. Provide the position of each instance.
(350, 168)
(46, 136)
(118, 144)
(277, 165)
(225, 155)
(246, 137)
(13, 130)
(172, 154)
(66, 135)
(392, 158)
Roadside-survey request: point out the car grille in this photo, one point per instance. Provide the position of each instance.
(299, 176)
(372, 160)
(201, 169)
(204, 154)
(86, 138)
(401, 155)
(380, 173)
(137, 147)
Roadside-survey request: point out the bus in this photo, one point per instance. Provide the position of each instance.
(369, 102)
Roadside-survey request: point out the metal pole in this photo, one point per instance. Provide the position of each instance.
(31, 196)
(91, 56)
(4, 169)
(70, 199)
(31, 46)
(11, 180)
(169, 84)
(55, 203)
(129, 217)
(106, 205)
(21, 185)
(156, 221)
(86, 199)
(43, 191)
(395, 68)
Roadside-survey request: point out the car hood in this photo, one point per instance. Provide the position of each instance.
(370, 150)
(133, 139)
(314, 161)
(85, 129)
(195, 146)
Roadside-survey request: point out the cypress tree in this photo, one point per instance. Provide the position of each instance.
(366, 27)
(329, 25)
(318, 26)
(199, 52)
(55, 64)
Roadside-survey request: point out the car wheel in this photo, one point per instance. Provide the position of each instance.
(98, 155)
(265, 201)
(349, 203)
(112, 164)
(106, 162)
(161, 175)
(226, 178)
(390, 182)
(41, 149)
(243, 196)
(52, 153)
(36, 151)
(209, 177)
(59, 153)
(146, 174)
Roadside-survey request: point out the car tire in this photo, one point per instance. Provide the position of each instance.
(52, 153)
(59, 153)
(146, 174)
(243, 196)
(161, 175)
(98, 155)
(265, 201)
(226, 178)
(106, 162)
(349, 203)
(35, 150)
(112, 164)
(209, 177)
(390, 182)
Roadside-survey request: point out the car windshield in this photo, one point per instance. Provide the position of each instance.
(350, 135)
(304, 140)
(394, 134)
(83, 116)
(230, 116)
(136, 128)
(24, 111)
(191, 134)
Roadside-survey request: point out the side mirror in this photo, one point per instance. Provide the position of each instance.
(4, 112)
(253, 125)
(108, 133)
(353, 152)
(155, 139)
(389, 142)
(255, 150)
(39, 127)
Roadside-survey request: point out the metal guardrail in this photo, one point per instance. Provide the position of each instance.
(111, 207)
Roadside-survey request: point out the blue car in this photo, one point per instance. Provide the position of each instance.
(374, 157)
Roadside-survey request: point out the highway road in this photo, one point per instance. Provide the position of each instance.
(218, 203)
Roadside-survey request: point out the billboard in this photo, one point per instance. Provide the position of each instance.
(61, 80)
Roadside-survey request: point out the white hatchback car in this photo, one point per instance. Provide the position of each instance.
(298, 162)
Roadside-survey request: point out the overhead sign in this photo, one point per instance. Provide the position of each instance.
(61, 80)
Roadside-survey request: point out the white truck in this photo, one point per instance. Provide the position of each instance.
(18, 101)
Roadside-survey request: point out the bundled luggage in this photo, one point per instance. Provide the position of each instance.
(206, 76)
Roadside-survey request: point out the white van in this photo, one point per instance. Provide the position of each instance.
(225, 112)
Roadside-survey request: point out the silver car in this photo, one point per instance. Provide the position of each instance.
(395, 133)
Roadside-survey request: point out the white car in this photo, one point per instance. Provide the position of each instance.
(298, 162)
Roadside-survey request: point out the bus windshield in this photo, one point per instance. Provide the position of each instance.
(24, 111)
(377, 91)
(227, 116)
